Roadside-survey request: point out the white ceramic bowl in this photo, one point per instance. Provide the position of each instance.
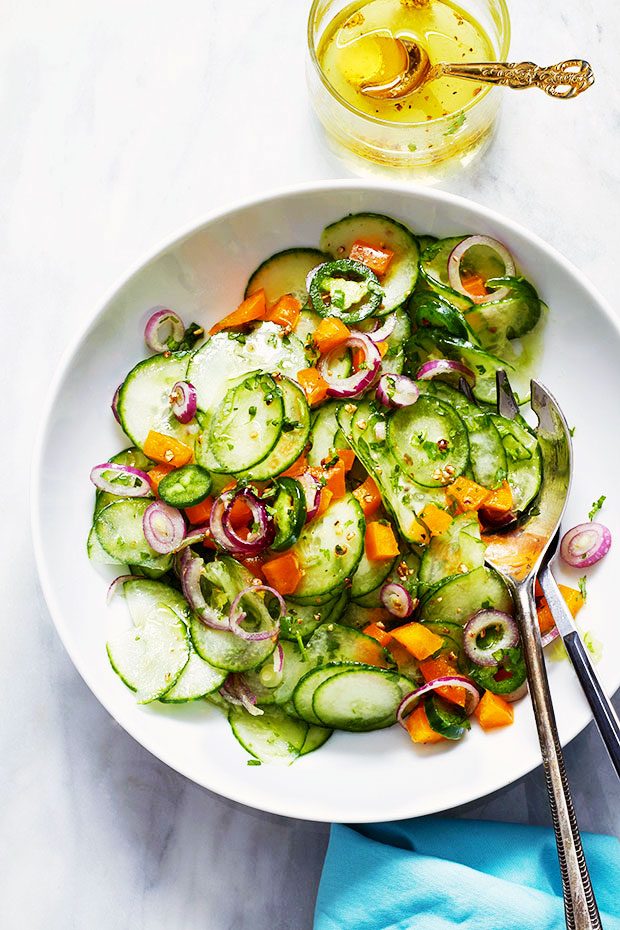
(355, 778)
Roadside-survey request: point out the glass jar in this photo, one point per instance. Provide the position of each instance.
(423, 151)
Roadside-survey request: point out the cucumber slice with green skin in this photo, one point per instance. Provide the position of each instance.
(325, 434)
(425, 241)
(185, 487)
(445, 718)
(346, 289)
(151, 655)
(330, 547)
(144, 399)
(303, 619)
(379, 230)
(402, 496)
(394, 359)
(405, 571)
(96, 552)
(431, 310)
(333, 642)
(482, 363)
(356, 616)
(285, 273)
(513, 316)
(360, 699)
(524, 464)
(197, 679)
(457, 551)
(486, 450)
(247, 425)
(229, 355)
(293, 437)
(315, 738)
(224, 650)
(119, 530)
(303, 695)
(434, 270)
(458, 599)
(415, 435)
(304, 330)
(289, 512)
(273, 688)
(133, 457)
(369, 575)
(273, 737)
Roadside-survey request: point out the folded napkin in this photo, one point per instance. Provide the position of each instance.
(435, 874)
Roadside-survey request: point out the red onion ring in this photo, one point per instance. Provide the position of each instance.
(480, 622)
(116, 585)
(195, 535)
(446, 681)
(236, 691)
(142, 489)
(358, 382)
(164, 527)
(312, 490)
(585, 544)
(397, 391)
(156, 323)
(454, 266)
(278, 659)
(237, 616)
(114, 404)
(445, 366)
(192, 567)
(379, 333)
(224, 533)
(183, 400)
(397, 599)
(549, 636)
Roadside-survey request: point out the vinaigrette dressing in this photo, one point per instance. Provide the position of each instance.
(358, 47)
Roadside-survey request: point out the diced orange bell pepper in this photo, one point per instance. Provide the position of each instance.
(377, 258)
(285, 312)
(377, 632)
(419, 728)
(326, 499)
(358, 356)
(574, 601)
(475, 285)
(493, 711)
(419, 534)
(368, 496)
(438, 668)
(380, 541)
(167, 450)
(436, 519)
(156, 474)
(298, 467)
(467, 494)
(499, 501)
(330, 332)
(382, 347)
(334, 479)
(200, 513)
(252, 308)
(418, 640)
(254, 564)
(347, 457)
(313, 384)
(283, 573)
(240, 514)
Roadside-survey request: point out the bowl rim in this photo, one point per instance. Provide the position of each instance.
(464, 795)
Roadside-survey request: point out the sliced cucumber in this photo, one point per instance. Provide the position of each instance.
(197, 679)
(516, 314)
(330, 548)
(482, 363)
(360, 699)
(434, 270)
(230, 355)
(303, 695)
(357, 616)
(305, 618)
(394, 359)
(326, 436)
(457, 599)
(304, 330)
(285, 273)
(417, 436)
(119, 530)
(151, 655)
(332, 642)
(247, 424)
(369, 575)
(96, 552)
(133, 457)
(185, 487)
(315, 738)
(445, 718)
(523, 460)
(405, 571)
(379, 230)
(144, 399)
(293, 437)
(486, 450)
(272, 737)
(457, 551)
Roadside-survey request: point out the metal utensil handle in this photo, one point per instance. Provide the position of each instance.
(564, 80)
(580, 908)
(602, 708)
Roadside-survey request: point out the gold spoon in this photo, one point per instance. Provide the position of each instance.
(564, 80)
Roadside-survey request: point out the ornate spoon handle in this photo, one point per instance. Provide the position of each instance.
(564, 80)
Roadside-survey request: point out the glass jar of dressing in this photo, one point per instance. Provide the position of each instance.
(427, 134)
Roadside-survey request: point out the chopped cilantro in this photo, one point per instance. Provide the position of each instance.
(252, 411)
(338, 299)
(596, 506)
(582, 586)
(254, 762)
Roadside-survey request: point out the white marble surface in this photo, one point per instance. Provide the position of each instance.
(121, 122)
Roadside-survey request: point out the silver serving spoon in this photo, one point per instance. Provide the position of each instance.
(564, 80)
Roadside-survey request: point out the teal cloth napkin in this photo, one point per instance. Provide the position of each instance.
(435, 874)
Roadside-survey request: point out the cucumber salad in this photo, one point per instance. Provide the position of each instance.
(302, 507)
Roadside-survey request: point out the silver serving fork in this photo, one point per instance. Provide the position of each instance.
(517, 554)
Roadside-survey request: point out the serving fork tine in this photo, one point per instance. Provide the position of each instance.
(516, 554)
